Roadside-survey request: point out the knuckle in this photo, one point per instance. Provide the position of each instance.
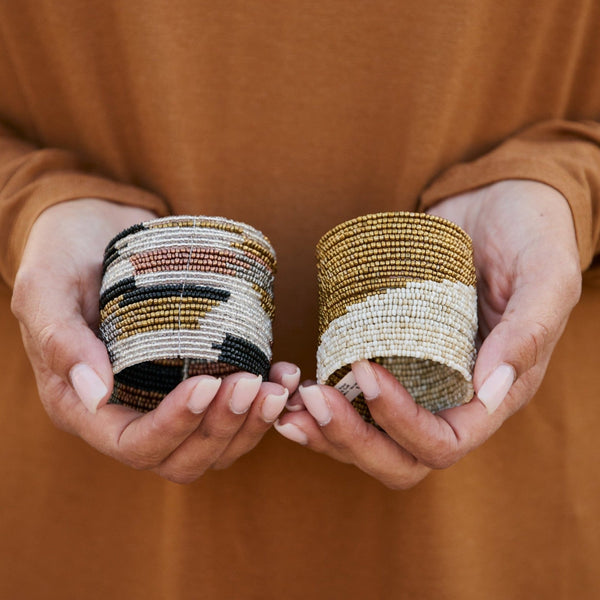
(49, 342)
(138, 458)
(359, 430)
(441, 461)
(140, 461)
(139, 454)
(403, 482)
(181, 476)
(216, 432)
(574, 283)
(567, 285)
(21, 294)
(399, 485)
(528, 342)
(440, 455)
(339, 445)
(534, 343)
(223, 463)
(163, 426)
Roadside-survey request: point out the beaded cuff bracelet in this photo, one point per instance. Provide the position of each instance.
(399, 289)
(184, 296)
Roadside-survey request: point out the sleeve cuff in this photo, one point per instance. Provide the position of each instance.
(60, 186)
(568, 166)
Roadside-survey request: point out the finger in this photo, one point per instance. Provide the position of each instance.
(149, 439)
(286, 374)
(140, 440)
(295, 403)
(301, 428)
(352, 439)
(223, 419)
(60, 338)
(436, 440)
(269, 403)
(529, 329)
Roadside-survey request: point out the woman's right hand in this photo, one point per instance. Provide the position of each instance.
(203, 423)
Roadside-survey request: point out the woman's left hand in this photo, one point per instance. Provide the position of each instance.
(529, 280)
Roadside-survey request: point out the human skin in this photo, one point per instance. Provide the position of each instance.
(529, 280)
(203, 423)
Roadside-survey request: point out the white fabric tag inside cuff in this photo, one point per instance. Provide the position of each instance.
(347, 385)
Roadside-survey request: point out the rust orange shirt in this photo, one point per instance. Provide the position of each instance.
(294, 116)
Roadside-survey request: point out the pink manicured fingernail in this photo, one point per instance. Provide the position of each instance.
(203, 393)
(292, 432)
(273, 405)
(290, 380)
(316, 403)
(366, 379)
(88, 386)
(496, 386)
(294, 404)
(243, 394)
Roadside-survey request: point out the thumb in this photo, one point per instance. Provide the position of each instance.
(59, 340)
(72, 351)
(524, 339)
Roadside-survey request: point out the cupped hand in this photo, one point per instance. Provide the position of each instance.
(203, 423)
(529, 280)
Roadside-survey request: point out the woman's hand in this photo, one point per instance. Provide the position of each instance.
(529, 280)
(203, 423)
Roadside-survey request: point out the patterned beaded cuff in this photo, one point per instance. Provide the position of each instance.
(184, 296)
(399, 289)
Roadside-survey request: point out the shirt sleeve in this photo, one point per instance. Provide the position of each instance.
(562, 154)
(33, 179)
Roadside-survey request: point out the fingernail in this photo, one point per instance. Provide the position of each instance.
(496, 386)
(273, 405)
(290, 380)
(243, 394)
(291, 432)
(316, 403)
(366, 379)
(203, 393)
(294, 404)
(88, 386)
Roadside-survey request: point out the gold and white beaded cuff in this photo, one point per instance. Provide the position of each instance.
(184, 296)
(399, 289)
